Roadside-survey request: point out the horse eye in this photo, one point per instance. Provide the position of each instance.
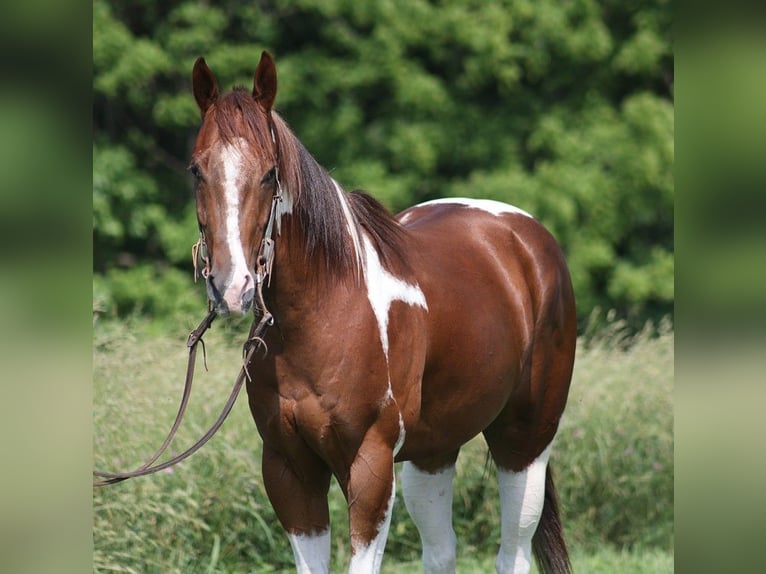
(195, 171)
(270, 176)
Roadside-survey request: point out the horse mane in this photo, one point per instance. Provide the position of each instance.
(318, 214)
(385, 232)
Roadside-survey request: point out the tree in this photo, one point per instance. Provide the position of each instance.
(562, 109)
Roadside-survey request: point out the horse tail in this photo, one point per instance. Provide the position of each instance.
(548, 544)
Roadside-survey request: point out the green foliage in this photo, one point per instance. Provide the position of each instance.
(564, 109)
(145, 289)
(613, 464)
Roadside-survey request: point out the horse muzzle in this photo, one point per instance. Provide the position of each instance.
(235, 298)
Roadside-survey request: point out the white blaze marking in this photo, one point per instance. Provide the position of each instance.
(367, 559)
(428, 498)
(488, 205)
(383, 289)
(522, 495)
(312, 553)
(232, 160)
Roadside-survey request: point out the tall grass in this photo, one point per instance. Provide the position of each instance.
(613, 461)
(614, 450)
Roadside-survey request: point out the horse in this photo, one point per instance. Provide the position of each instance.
(386, 339)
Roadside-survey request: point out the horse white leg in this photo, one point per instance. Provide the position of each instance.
(428, 498)
(312, 552)
(522, 495)
(367, 557)
(300, 502)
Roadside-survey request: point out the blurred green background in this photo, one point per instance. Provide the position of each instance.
(563, 109)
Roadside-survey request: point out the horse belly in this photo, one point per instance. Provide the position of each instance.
(456, 402)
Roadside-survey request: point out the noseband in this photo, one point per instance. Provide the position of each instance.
(263, 267)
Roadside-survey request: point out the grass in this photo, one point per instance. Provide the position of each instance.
(614, 450)
(604, 561)
(613, 460)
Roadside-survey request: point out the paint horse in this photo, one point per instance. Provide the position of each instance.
(393, 339)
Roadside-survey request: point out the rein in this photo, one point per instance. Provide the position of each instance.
(264, 263)
(195, 337)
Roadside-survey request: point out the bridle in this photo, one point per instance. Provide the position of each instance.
(255, 340)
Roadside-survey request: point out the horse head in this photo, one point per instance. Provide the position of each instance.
(235, 165)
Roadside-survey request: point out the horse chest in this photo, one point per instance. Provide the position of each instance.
(296, 415)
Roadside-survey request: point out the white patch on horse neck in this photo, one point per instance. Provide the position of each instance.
(367, 559)
(522, 495)
(383, 288)
(312, 552)
(233, 160)
(488, 205)
(351, 226)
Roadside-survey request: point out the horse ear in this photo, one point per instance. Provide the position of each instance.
(204, 84)
(265, 82)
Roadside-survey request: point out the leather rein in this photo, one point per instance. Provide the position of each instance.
(254, 341)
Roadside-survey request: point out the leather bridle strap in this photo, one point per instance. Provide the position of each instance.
(195, 337)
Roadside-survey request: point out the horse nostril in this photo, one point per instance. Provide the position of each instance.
(215, 296)
(247, 299)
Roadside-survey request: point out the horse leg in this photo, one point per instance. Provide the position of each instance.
(529, 513)
(520, 444)
(370, 493)
(522, 496)
(520, 441)
(299, 497)
(428, 498)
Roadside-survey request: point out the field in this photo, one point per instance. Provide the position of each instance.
(613, 462)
